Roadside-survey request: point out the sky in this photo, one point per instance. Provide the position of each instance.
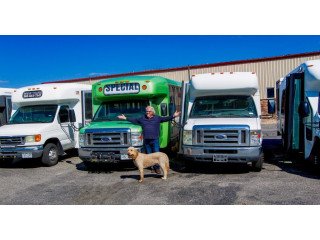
(28, 60)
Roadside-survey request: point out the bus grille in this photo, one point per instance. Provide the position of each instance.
(109, 138)
(11, 141)
(221, 135)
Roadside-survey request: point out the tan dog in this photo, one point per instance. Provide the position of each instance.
(142, 161)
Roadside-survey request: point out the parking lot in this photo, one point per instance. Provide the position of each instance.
(69, 182)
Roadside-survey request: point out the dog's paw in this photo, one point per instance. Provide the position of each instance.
(140, 181)
(164, 178)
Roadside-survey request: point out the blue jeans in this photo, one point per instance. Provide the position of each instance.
(152, 146)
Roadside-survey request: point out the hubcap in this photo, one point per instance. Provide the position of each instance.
(53, 154)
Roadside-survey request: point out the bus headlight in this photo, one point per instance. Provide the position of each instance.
(82, 139)
(33, 138)
(187, 137)
(136, 139)
(255, 138)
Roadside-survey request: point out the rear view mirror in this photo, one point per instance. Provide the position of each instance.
(271, 106)
(304, 109)
(72, 115)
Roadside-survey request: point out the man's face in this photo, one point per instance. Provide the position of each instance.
(149, 113)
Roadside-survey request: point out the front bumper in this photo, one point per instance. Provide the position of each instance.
(222, 154)
(21, 152)
(112, 155)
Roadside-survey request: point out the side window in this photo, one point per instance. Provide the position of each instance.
(270, 92)
(64, 114)
(88, 106)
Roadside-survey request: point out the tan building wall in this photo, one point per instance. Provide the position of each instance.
(269, 70)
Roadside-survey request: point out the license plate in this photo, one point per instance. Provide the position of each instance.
(124, 156)
(220, 158)
(26, 155)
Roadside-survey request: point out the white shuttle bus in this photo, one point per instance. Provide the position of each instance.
(45, 120)
(5, 105)
(298, 103)
(221, 119)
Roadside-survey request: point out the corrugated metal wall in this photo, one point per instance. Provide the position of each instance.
(268, 71)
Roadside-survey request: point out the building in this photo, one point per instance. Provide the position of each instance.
(268, 70)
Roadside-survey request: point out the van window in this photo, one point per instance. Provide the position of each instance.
(224, 107)
(34, 114)
(64, 114)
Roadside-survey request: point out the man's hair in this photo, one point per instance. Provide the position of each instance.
(151, 109)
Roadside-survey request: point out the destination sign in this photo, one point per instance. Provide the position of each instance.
(121, 88)
(32, 94)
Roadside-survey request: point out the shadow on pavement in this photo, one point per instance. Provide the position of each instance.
(274, 154)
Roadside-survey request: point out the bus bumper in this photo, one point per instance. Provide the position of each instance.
(227, 155)
(115, 155)
(21, 152)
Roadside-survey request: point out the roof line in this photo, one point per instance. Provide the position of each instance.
(187, 67)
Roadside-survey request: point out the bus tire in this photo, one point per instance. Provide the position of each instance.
(257, 165)
(50, 155)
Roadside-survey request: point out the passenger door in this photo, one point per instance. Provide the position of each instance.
(67, 136)
(294, 127)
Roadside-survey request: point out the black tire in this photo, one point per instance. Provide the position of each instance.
(50, 155)
(257, 165)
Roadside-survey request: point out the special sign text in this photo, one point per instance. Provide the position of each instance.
(121, 88)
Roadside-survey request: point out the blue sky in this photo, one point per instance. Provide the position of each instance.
(28, 60)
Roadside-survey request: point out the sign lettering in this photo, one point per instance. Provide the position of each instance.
(122, 88)
(32, 94)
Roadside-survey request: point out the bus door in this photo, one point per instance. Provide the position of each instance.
(184, 110)
(294, 129)
(86, 107)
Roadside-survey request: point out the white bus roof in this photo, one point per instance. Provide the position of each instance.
(6, 91)
(311, 73)
(240, 83)
(49, 93)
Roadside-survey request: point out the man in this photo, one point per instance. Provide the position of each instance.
(151, 129)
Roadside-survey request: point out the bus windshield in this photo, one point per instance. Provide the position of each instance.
(223, 107)
(109, 111)
(34, 114)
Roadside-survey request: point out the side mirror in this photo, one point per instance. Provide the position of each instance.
(72, 116)
(164, 109)
(304, 109)
(271, 106)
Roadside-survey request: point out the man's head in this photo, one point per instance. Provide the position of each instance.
(150, 112)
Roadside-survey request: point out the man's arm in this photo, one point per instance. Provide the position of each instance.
(133, 120)
(169, 118)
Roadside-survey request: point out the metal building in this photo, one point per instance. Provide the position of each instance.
(269, 70)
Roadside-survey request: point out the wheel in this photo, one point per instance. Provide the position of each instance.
(257, 165)
(50, 155)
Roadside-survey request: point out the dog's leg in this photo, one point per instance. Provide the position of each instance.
(164, 170)
(141, 175)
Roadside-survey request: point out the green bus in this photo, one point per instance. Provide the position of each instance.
(106, 138)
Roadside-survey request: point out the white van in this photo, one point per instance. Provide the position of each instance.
(221, 119)
(5, 105)
(45, 121)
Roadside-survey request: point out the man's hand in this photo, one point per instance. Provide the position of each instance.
(176, 114)
(123, 117)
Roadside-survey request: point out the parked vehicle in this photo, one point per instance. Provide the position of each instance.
(45, 121)
(222, 119)
(298, 109)
(5, 105)
(106, 138)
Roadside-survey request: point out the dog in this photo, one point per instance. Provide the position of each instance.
(142, 161)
